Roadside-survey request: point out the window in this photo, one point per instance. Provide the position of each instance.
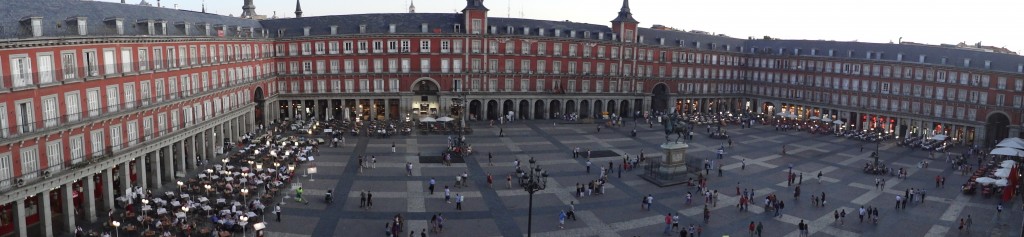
(424, 46)
(6, 170)
(393, 85)
(90, 64)
(425, 65)
(524, 85)
(320, 48)
(405, 46)
(133, 132)
(29, 162)
(50, 111)
(363, 46)
(456, 46)
(77, 147)
(113, 98)
(378, 46)
(44, 62)
(72, 106)
(364, 85)
(347, 47)
(332, 47)
(96, 139)
(405, 65)
(129, 94)
(25, 116)
(4, 129)
(144, 59)
(147, 128)
(126, 60)
(21, 71)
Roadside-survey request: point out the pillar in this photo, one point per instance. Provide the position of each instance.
(180, 164)
(168, 163)
(68, 204)
(330, 109)
(125, 176)
(183, 150)
(316, 109)
(89, 203)
(387, 108)
(20, 227)
(140, 172)
(200, 147)
(210, 145)
(108, 189)
(155, 160)
(45, 214)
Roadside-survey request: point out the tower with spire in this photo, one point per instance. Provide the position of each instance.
(475, 15)
(248, 10)
(298, 9)
(624, 25)
(412, 7)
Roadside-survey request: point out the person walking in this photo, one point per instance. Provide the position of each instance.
(277, 211)
(369, 199)
(458, 201)
(668, 223)
(861, 214)
(572, 210)
(298, 196)
(373, 162)
(752, 227)
(447, 194)
(967, 226)
(760, 229)
(431, 187)
(561, 219)
(490, 181)
(508, 179)
(393, 147)
(362, 199)
(490, 159)
(588, 166)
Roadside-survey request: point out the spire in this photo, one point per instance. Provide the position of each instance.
(475, 5)
(624, 14)
(248, 9)
(204, 6)
(122, 2)
(412, 7)
(298, 9)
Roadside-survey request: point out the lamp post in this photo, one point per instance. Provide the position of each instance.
(116, 224)
(184, 209)
(145, 202)
(536, 180)
(224, 161)
(245, 198)
(208, 187)
(179, 186)
(244, 221)
(878, 141)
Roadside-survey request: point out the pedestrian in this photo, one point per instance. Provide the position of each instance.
(490, 180)
(363, 198)
(509, 180)
(277, 210)
(447, 194)
(751, 227)
(842, 216)
(458, 201)
(668, 223)
(861, 214)
(431, 187)
(298, 196)
(572, 210)
(373, 162)
(369, 200)
(967, 226)
(760, 229)
(490, 159)
(561, 219)
(392, 147)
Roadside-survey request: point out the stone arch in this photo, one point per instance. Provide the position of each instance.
(996, 127)
(492, 110)
(585, 109)
(611, 107)
(260, 107)
(555, 109)
(475, 107)
(423, 86)
(624, 109)
(508, 106)
(524, 109)
(598, 108)
(538, 109)
(570, 107)
(659, 99)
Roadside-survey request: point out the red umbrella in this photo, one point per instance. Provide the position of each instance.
(1008, 190)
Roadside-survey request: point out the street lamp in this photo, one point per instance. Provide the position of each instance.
(145, 202)
(224, 161)
(245, 197)
(116, 224)
(184, 209)
(179, 185)
(259, 166)
(244, 221)
(536, 180)
(208, 187)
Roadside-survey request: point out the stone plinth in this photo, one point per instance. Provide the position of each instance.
(671, 169)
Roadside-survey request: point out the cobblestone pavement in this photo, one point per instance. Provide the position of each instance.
(500, 211)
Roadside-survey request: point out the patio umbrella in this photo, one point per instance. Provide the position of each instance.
(792, 116)
(1002, 173)
(815, 118)
(445, 119)
(1011, 144)
(826, 119)
(838, 122)
(1006, 151)
(427, 120)
(985, 180)
(939, 137)
(781, 114)
(1001, 182)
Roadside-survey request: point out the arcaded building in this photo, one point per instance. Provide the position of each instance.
(97, 97)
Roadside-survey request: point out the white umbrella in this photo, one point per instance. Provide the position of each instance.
(1001, 182)
(445, 119)
(781, 114)
(826, 119)
(985, 180)
(428, 120)
(815, 118)
(1009, 162)
(792, 116)
(1002, 173)
(1011, 144)
(939, 137)
(1006, 151)
(838, 122)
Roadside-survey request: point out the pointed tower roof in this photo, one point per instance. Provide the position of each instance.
(624, 14)
(475, 5)
(298, 9)
(412, 7)
(248, 9)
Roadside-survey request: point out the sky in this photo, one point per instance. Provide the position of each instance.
(991, 22)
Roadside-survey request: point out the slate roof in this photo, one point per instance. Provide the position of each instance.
(889, 52)
(54, 12)
(405, 23)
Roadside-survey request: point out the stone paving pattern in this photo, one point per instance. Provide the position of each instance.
(499, 211)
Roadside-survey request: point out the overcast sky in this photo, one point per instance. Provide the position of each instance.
(992, 22)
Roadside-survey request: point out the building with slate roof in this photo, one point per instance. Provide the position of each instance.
(93, 93)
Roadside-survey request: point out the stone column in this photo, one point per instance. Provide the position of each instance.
(316, 109)
(89, 204)
(187, 153)
(210, 145)
(180, 161)
(45, 214)
(68, 204)
(20, 227)
(387, 108)
(168, 163)
(158, 168)
(108, 189)
(200, 147)
(126, 179)
(330, 109)
(140, 171)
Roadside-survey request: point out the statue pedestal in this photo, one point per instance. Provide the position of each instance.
(671, 169)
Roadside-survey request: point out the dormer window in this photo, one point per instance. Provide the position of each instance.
(457, 28)
(814, 52)
(641, 39)
(600, 35)
(988, 64)
(83, 27)
(921, 58)
(424, 28)
(362, 29)
(586, 34)
(119, 25)
(540, 31)
(899, 57)
(967, 62)
(831, 52)
(494, 30)
(795, 51)
(510, 30)
(661, 41)
(615, 37)
(35, 25)
(572, 34)
(391, 28)
(558, 33)
(944, 60)
(526, 30)
(849, 54)
(305, 31)
(207, 29)
(334, 30)
(186, 27)
(163, 27)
